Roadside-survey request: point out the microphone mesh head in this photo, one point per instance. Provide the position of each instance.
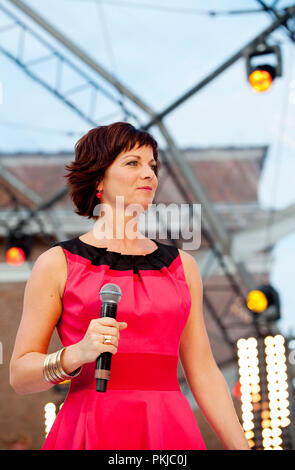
(110, 293)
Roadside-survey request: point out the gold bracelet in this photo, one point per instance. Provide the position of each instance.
(64, 374)
(53, 371)
(47, 377)
(48, 369)
(57, 376)
(45, 367)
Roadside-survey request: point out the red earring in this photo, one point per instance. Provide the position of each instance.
(98, 194)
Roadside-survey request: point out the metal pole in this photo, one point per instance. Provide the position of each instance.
(251, 44)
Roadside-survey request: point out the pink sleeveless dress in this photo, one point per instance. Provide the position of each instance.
(143, 407)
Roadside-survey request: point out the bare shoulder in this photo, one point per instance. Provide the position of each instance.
(50, 259)
(191, 269)
(51, 265)
(42, 304)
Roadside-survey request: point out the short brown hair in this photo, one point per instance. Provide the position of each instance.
(94, 152)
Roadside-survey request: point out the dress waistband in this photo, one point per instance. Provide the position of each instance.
(133, 371)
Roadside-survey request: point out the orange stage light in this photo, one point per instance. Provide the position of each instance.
(15, 256)
(260, 80)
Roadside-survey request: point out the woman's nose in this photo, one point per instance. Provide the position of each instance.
(147, 171)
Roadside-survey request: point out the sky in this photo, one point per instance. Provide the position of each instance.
(159, 50)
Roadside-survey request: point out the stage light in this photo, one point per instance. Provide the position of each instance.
(264, 301)
(265, 396)
(236, 391)
(17, 248)
(261, 74)
(257, 301)
(15, 256)
(50, 415)
(262, 77)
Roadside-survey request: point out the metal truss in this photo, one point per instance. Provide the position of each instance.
(19, 186)
(212, 225)
(272, 11)
(62, 67)
(280, 21)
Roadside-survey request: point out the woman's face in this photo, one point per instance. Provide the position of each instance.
(129, 172)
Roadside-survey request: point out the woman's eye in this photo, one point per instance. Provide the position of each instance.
(154, 167)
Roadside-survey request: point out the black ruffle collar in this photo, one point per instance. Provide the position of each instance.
(162, 256)
(116, 259)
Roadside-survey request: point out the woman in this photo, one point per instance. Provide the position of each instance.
(159, 316)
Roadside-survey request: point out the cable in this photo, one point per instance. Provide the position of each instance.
(175, 9)
(39, 129)
(46, 130)
(278, 158)
(110, 51)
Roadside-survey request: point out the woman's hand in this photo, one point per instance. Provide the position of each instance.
(91, 346)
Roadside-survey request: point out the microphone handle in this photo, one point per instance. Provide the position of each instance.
(103, 362)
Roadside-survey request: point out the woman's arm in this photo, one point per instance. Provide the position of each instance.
(205, 380)
(41, 311)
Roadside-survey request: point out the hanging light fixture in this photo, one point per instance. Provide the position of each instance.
(17, 248)
(264, 301)
(260, 72)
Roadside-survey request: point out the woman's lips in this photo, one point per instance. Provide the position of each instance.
(146, 188)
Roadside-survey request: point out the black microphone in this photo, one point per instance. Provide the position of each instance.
(110, 295)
